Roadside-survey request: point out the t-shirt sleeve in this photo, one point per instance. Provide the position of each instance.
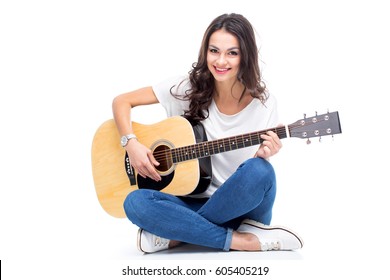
(273, 119)
(170, 94)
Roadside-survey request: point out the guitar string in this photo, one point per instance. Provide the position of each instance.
(216, 144)
(239, 140)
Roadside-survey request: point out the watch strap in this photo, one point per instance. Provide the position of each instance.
(127, 138)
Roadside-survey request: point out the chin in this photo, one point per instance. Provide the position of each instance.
(220, 78)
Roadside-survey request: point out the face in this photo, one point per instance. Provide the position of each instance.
(223, 56)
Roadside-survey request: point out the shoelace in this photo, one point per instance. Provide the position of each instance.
(270, 246)
(158, 241)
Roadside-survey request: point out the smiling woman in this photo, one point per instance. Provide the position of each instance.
(225, 96)
(62, 62)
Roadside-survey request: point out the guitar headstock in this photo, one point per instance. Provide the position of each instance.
(316, 126)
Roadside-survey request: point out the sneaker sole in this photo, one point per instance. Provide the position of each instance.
(266, 227)
(139, 234)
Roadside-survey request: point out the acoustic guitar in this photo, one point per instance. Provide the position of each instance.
(183, 151)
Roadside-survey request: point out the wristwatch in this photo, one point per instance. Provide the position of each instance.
(126, 138)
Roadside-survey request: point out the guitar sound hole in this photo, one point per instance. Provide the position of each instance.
(163, 155)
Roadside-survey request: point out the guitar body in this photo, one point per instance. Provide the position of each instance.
(114, 178)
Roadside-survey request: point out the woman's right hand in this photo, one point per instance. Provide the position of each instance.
(142, 159)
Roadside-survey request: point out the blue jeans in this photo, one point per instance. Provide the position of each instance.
(248, 193)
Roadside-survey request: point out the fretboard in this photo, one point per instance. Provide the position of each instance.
(208, 148)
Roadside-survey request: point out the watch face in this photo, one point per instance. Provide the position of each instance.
(123, 140)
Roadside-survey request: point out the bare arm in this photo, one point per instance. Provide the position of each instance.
(141, 157)
(122, 104)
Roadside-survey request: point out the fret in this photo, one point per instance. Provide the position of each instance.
(183, 153)
(233, 143)
(202, 149)
(250, 139)
(217, 146)
(244, 141)
(212, 148)
(230, 144)
(186, 155)
(282, 134)
(221, 147)
(193, 153)
(198, 151)
(179, 154)
(174, 158)
(226, 145)
(255, 138)
(208, 148)
(240, 142)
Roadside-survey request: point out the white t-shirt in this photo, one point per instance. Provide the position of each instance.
(254, 117)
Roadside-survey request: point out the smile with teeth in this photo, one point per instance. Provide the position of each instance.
(221, 70)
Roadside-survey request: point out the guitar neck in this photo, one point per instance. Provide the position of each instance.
(208, 148)
(316, 126)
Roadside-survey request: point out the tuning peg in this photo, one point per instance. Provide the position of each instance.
(308, 141)
(319, 140)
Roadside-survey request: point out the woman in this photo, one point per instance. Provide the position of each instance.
(224, 92)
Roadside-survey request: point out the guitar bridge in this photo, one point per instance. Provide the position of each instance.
(130, 171)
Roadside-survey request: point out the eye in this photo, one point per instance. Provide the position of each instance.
(233, 53)
(213, 50)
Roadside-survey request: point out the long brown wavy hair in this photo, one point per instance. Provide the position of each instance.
(202, 86)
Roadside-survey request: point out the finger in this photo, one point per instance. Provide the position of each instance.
(269, 144)
(153, 160)
(152, 173)
(147, 170)
(273, 136)
(266, 137)
(276, 138)
(272, 140)
(152, 170)
(267, 151)
(140, 173)
(263, 152)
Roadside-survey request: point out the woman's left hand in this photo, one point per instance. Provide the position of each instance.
(270, 146)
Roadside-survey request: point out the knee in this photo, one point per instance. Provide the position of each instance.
(134, 202)
(261, 169)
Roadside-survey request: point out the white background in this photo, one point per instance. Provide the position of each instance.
(62, 63)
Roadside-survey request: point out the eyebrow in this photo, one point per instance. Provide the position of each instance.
(229, 49)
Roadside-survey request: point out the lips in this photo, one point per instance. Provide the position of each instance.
(221, 70)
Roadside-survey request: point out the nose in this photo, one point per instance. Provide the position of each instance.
(221, 59)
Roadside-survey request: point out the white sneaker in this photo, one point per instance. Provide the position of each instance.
(272, 237)
(150, 243)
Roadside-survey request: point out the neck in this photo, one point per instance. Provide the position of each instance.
(233, 100)
(228, 91)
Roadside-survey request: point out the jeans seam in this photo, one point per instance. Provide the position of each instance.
(228, 241)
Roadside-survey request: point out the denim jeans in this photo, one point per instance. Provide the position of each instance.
(248, 193)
